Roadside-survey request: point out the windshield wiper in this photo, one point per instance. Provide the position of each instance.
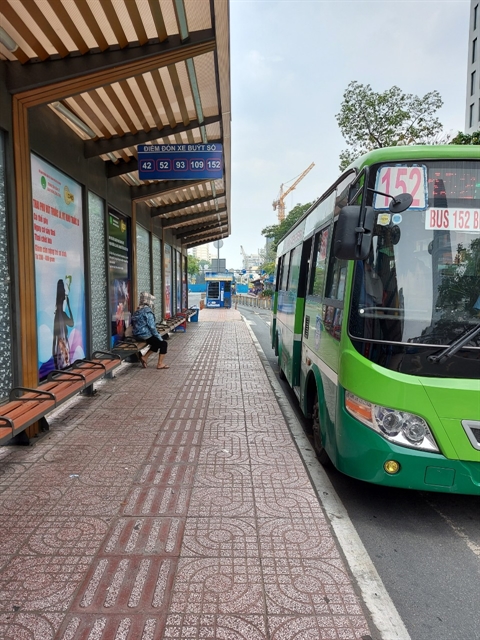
(456, 345)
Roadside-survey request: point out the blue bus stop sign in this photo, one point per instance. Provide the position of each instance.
(180, 161)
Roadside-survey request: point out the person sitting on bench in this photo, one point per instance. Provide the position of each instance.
(145, 330)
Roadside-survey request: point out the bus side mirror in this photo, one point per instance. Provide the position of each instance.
(353, 238)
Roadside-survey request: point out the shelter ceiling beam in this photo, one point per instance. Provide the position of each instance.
(196, 242)
(169, 223)
(201, 233)
(203, 226)
(95, 148)
(147, 191)
(159, 211)
(51, 80)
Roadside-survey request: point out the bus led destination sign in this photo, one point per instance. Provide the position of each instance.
(180, 161)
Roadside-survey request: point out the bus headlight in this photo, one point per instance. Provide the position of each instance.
(402, 428)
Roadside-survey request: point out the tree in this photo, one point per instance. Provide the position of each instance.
(193, 266)
(370, 120)
(466, 138)
(277, 231)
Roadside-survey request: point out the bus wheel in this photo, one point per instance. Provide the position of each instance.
(320, 452)
(281, 375)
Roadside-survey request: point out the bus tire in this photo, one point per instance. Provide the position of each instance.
(320, 452)
(281, 375)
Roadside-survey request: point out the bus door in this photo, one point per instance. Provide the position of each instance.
(298, 281)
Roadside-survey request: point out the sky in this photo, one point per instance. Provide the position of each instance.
(291, 62)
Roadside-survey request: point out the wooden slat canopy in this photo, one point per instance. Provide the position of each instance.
(132, 72)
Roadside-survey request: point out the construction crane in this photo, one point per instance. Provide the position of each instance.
(279, 203)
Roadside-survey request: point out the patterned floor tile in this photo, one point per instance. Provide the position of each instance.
(166, 474)
(145, 536)
(217, 502)
(218, 585)
(41, 583)
(116, 584)
(89, 501)
(222, 473)
(317, 628)
(279, 476)
(112, 627)
(58, 535)
(172, 455)
(308, 587)
(157, 501)
(231, 447)
(300, 538)
(220, 537)
(32, 502)
(26, 626)
(286, 503)
(211, 627)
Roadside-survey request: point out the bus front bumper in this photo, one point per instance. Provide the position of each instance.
(362, 454)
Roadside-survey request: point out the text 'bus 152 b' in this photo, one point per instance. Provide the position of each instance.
(376, 318)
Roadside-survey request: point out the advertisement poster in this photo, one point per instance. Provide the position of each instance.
(119, 269)
(168, 280)
(59, 267)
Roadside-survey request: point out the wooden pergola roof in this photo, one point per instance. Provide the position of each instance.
(128, 72)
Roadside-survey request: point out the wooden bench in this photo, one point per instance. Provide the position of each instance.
(28, 405)
(129, 347)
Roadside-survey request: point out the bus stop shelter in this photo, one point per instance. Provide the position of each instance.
(82, 84)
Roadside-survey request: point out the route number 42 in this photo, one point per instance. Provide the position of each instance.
(396, 180)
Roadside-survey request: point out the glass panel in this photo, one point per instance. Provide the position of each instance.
(294, 268)
(179, 284)
(98, 272)
(157, 276)
(319, 263)
(6, 380)
(144, 280)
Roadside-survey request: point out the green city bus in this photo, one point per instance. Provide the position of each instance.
(376, 318)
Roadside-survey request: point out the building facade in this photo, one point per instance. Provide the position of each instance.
(472, 112)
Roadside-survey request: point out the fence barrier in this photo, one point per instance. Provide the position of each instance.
(252, 301)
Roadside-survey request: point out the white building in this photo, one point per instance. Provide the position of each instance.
(472, 112)
(203, 252)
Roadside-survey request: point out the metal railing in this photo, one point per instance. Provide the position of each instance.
(252, 301)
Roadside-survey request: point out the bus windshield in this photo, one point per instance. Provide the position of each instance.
(421, 282)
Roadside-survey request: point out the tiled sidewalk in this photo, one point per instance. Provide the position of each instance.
(173, 504)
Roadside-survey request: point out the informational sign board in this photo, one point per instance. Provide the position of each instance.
(180, 161)
(59, 267)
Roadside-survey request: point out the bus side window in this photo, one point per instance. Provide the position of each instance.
(294, 268)
(337, 275)
(284, 277)
(319, 263)
(334, 295)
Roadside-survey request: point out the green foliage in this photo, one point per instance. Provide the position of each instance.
(466, 138)
(268, 267)
(370, 120)
(277, 231)
(204, 265)
(193, 266)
